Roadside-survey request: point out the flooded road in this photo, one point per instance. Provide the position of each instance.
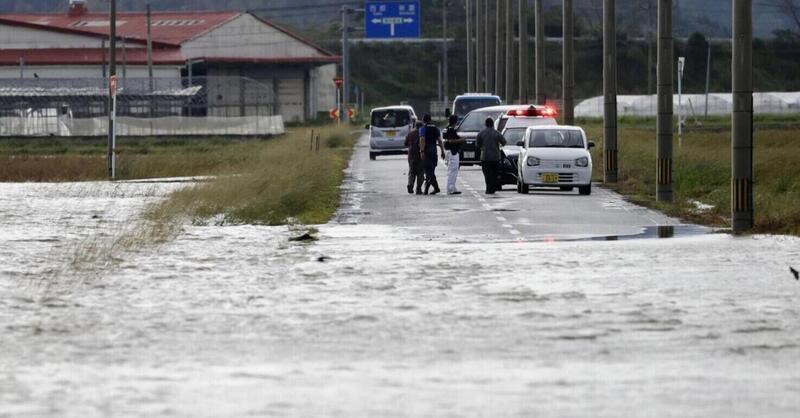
(398, 310)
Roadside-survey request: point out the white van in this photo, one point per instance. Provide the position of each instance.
(388, 128)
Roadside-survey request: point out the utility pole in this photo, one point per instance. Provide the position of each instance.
(149, 49)
(439, 95)
(681, 64)
(444, 47)
(346, 10)
(610, 91)
(509, 51)
(470, 65)
(708, 77)
(498, 47)
(568, 66)
(523, 51)
(742, 128)
(21, 67)
(664, 119)
(112, 75)
(539, 16)
(479, 47)
(487, 20)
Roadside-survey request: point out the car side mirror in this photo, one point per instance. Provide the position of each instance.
(366, 126)
(520, 143)
(447, 112)
(591, 145)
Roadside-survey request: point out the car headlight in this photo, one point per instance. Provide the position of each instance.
(582, 162)
(533, 161)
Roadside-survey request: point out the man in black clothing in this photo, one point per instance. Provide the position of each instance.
(415, 172)
(430, 137)
(489, 141)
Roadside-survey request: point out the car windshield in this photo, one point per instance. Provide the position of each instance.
(390, 118)
(513, 136)
(476, 121)
(466, 105)
(556, 138)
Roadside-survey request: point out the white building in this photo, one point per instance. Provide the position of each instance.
(199, 44)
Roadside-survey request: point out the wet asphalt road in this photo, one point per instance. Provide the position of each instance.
(378, 192)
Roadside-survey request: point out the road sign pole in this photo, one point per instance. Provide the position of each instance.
(681, 63)
(444, 47)
(345, 92)
(665, 109)
(498, 48)
(568, 67)
(742, 211)
(610, 91)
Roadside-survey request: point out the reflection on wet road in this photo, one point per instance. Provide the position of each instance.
(412, 311)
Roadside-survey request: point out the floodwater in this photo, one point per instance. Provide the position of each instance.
(373, 321)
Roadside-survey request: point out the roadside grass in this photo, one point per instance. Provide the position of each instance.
(66, 159)
(272, 183)
(702, 167)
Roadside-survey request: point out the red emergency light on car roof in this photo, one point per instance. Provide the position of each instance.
(545, 111)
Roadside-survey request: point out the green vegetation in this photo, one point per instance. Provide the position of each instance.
(274, 182)
(702, 171)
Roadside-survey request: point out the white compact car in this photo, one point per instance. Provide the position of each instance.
(555, 156)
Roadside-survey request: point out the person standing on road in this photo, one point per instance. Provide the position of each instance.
(489, 141)
(415, 171)
(452, 143)
(430, 137)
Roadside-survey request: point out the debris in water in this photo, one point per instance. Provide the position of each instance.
(795, 273)
(306, 237)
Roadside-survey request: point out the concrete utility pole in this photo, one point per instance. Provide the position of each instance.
(470, 64)
(708, 78)
(346, 10)
(149, 48)
(498, 48)
(610, 91)
(541, 97)
(444, 47)
(664, 120)
(479, 48)
(509, 52)
(742, 129)
(112, 73)
(568, 66)
(523, 51)
(487, 32)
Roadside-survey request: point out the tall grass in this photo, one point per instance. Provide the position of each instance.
(702, 172)
(272, 183)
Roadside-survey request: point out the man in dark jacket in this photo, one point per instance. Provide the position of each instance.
(415, 172)
(430, 137)
(452, 143)
(489, 141)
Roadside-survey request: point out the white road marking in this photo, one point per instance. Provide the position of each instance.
(514, 232)
(501, 219)
(507, 226)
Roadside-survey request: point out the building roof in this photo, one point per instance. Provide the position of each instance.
(88, 56)
(168, 28)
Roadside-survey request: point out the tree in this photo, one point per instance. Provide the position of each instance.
(790, 7)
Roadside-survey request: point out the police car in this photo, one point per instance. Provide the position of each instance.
(505, 117)
(555, 156)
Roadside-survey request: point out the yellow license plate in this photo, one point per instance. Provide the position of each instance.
(391, 134)
(549, 178)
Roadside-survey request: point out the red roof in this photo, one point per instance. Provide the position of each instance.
(168, 28)
(88, 56)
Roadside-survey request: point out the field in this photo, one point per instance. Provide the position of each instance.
(266, 181)
(702, 170)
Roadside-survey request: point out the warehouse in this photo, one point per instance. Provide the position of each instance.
(229, 51)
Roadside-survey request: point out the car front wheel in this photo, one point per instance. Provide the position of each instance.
(585, 190)
(373, 156)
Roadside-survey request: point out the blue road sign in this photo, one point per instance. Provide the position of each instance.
(392, 19)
